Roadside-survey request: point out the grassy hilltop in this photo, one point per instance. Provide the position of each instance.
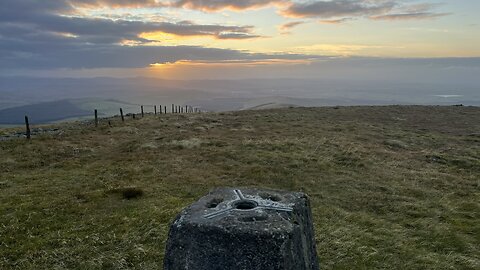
(391, 187)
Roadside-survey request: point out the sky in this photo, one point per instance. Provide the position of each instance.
(231, 39)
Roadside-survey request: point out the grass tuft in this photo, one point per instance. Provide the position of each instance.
(128, 193)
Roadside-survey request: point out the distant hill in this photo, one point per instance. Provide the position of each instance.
(42, 112)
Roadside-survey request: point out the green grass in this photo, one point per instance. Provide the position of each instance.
(391, 187)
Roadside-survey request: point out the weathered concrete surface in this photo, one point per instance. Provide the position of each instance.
(243, 229)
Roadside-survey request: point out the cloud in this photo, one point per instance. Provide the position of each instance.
(203, 5)
(409, 16)
(290, 25)
(412, 12)
(55, 18)
(236, 36)
(53, 34)
(56, 34)
(116, 3)
(339, 8)
(336, 21)
(56, 52)
(339, 11)
(45, 41)
(214, 5)
(285, 29)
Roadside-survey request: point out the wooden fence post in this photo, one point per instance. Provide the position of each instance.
(27, 126)
(121, 114)
(155, 106)
(172, 109)
(96, 118)
(142, 110)
(165, 109)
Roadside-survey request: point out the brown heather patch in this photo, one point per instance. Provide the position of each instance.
(391, 187)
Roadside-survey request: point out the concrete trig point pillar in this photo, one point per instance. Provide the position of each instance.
(235, 229)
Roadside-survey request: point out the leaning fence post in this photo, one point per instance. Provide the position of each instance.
(27, 126)
(96, 118)
(121, 114)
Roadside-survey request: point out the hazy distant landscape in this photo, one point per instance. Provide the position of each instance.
(79, 97)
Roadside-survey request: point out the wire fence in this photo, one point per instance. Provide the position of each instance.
(157, 110)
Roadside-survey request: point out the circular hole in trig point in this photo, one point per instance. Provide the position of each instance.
(245, 205)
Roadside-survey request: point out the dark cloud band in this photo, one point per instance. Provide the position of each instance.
(341, 10)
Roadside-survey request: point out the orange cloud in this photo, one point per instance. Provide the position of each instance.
(215, 5)
(335, 21)
(284, 28)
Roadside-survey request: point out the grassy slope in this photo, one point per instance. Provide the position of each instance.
(391, 187)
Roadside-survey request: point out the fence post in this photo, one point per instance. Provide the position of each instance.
(142, 110)
(96, 118)
(165, 109)
(172, 109)
(121, 114)
(155, 106)
(27, 126)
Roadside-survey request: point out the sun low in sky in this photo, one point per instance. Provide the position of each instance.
(184, 39)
